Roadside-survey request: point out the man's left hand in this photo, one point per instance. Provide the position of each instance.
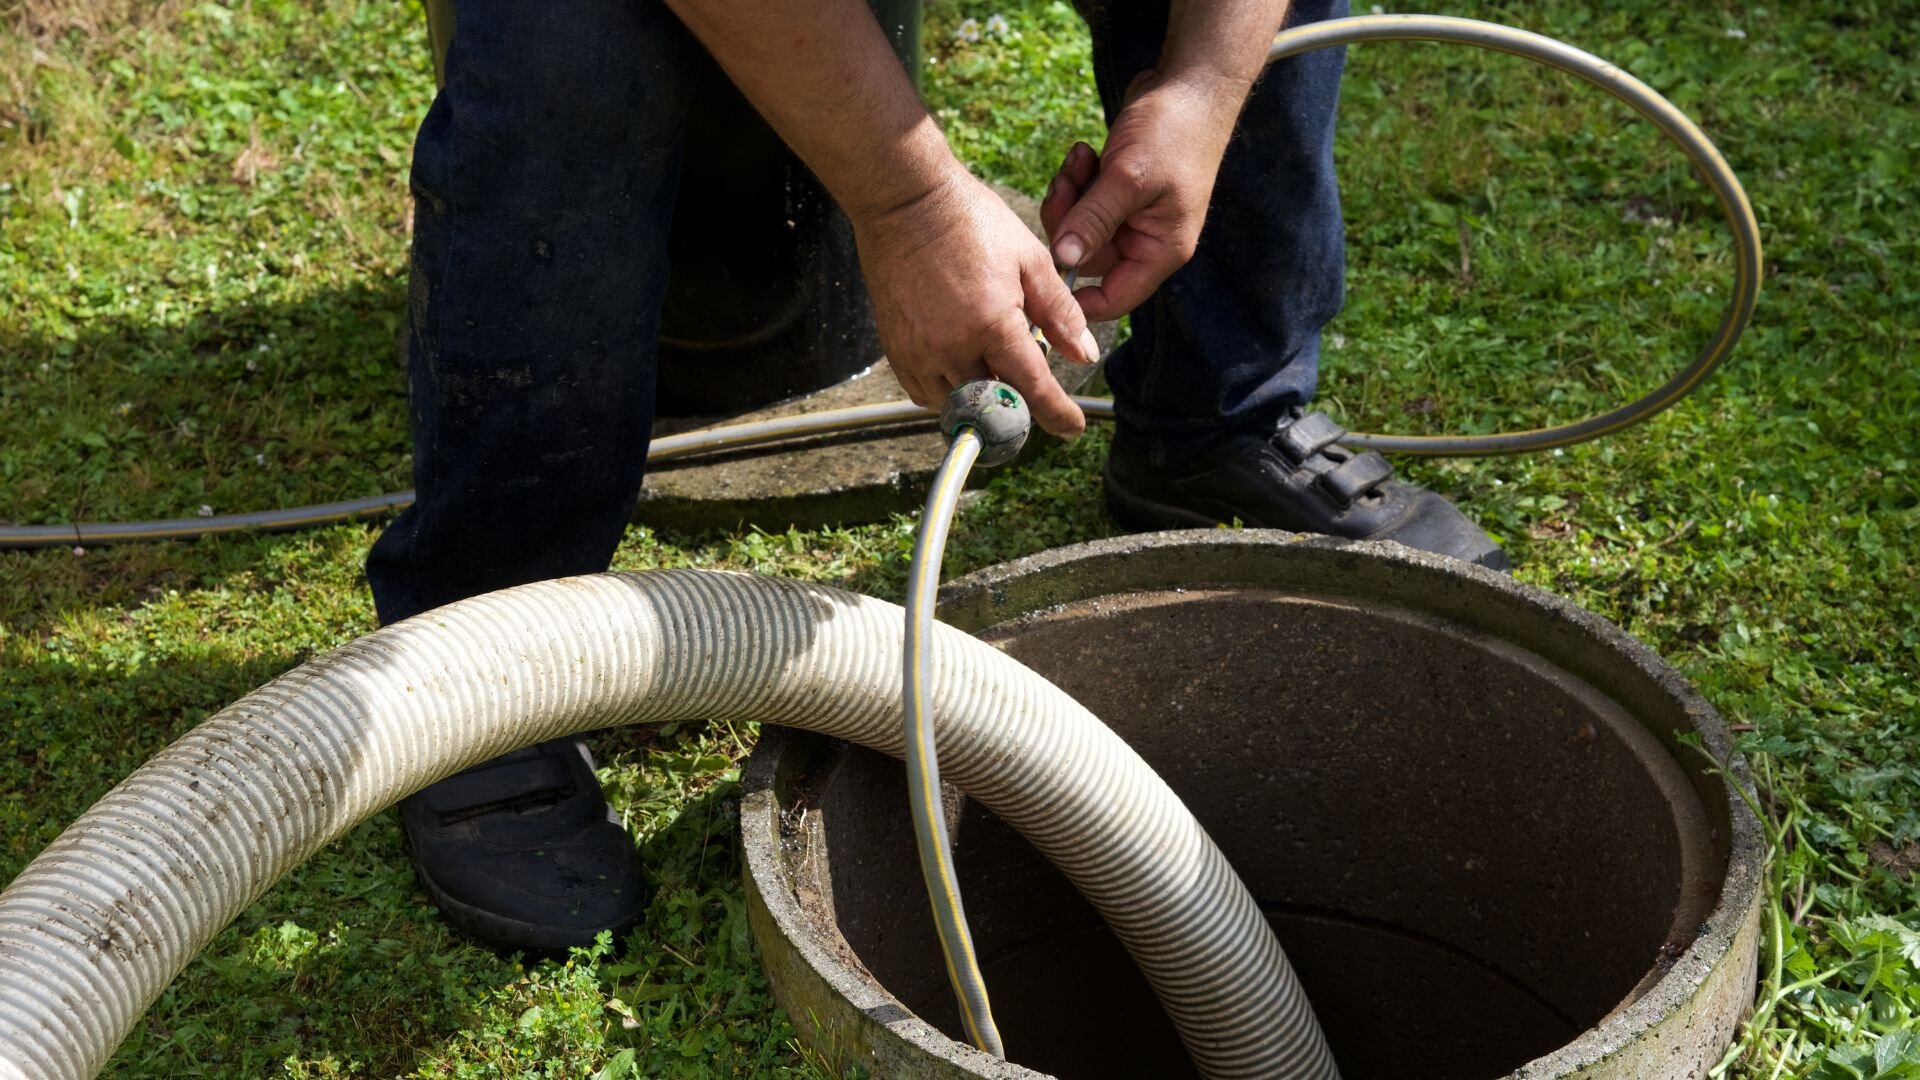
(1131, 215)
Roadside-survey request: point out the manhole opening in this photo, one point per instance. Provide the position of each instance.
(1469, 855)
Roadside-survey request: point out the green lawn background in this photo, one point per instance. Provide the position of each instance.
(203, 233)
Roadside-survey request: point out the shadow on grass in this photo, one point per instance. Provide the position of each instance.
(40, 591)
(341, 960)
(389, 986)
(75, 729)
(251, 406)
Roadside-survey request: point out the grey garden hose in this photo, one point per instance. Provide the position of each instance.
(1673, 123)
(1699, 150)
(97, 925)
(93, 930)
(922, 756)
(987, 424)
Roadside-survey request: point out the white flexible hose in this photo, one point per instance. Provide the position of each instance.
(96, 926)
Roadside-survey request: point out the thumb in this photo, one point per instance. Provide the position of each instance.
(1116, 194)
(1052, 307)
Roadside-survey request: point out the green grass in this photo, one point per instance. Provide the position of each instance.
(203, 240)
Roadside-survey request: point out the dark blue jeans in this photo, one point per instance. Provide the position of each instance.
(544, 180)
(1231, 341)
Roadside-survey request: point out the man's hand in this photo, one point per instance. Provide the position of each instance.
(955, 278)
(1132, 215)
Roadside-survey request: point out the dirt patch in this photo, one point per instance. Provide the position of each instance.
(1900, 862)
(44, 20)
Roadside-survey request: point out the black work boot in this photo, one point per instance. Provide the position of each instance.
(1295, 479)
(522, 852)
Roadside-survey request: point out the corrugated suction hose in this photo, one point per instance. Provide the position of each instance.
(97, 926)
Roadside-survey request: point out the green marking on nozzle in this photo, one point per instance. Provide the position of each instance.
(995, 412)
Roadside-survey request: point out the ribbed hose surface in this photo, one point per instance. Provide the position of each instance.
(95, 928)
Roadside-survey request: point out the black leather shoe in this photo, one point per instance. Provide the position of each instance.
(1296, 479)
(522, 853)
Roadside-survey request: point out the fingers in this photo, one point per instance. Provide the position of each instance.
(930, 389)
(1061, 196)
(1115, 194)
(1017, 361)
(1081, 164)
(1125, 287)
(915, 387)
(1103, 260)
(1052, 308)
(1076, 172)
(925, 385)
(1062, 193)
(1007, 351)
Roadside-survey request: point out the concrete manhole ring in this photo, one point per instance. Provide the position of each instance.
(1463, 803)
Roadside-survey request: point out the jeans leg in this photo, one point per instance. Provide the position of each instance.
(544, 179)
(1231, 342)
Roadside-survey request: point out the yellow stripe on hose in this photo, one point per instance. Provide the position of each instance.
(922, 761)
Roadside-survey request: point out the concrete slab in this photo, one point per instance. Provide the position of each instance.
(827, 480)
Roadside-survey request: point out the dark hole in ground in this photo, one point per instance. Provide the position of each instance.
(1469, 855)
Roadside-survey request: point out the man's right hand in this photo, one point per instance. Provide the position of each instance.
(956, 278)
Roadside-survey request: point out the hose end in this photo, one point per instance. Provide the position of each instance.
(996, 412)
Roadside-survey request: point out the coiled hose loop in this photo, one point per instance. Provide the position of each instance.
(1700, 151)
(1706, 160)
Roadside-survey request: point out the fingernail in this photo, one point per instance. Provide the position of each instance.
(1053, 189)
(1089, 348)
(1070, 250)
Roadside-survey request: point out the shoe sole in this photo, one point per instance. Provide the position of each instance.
(506, 934)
